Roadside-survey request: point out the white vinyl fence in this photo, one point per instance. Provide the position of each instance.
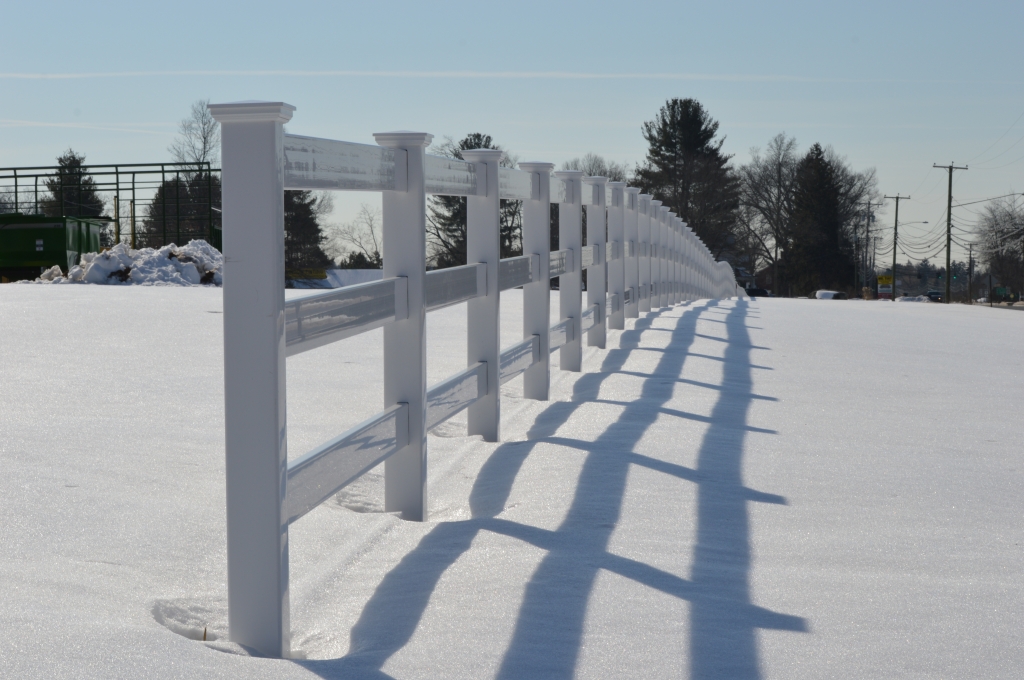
(653, 260)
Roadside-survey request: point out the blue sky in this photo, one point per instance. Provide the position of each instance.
(890, 86)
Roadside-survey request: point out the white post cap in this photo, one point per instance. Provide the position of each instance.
(401, 139)
(252, 112)
(536, 166)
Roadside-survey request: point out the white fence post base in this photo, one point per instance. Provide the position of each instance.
(617, 247)
(631, 269)
(252, 142)
(570, 285)
(483, 244)
(644, 261)
(405, 341)
(656, 243)
(663, 246)
(537, 295)
(597, 292)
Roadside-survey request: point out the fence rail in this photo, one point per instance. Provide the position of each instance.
(640, 257)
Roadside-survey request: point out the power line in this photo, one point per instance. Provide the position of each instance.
(983, 200)
(999, 140)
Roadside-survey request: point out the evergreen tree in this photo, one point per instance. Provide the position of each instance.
(303, 236)
(446, 216)
(180, 210)
(821, 254)
(72, 191)
(686, 170)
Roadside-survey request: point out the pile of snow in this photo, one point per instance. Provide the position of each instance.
(916, 298)
(197, 263)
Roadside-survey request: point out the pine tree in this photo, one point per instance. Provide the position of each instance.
(686, 170)
(303, 237)
(180, 209)
(821, 252)
(72, 191)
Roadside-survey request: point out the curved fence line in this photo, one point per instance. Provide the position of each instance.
(640, 257)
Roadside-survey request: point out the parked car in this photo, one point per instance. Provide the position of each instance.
(829, 295)
(757, 292)
(934, 295)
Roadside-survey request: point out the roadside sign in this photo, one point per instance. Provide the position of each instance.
(884, 286)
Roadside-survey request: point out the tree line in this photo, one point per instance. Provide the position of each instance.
(790, 217)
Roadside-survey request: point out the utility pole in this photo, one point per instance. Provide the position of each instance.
(949, 220)
(895, 238)
(970, 273)
(862, 253)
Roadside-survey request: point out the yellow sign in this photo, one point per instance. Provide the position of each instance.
(885, 280)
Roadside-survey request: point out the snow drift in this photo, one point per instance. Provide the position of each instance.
(196, 263)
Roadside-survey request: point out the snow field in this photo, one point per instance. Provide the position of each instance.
(775, 488)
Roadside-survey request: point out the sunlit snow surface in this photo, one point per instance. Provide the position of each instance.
(743, 489)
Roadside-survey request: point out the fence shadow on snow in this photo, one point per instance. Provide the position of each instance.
(549, 630)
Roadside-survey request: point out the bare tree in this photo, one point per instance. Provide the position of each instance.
(198, 139)
(362, 236)
(766, 192)
(594, 165)
(1001, 234)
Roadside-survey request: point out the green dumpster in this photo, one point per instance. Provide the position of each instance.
(30, 244)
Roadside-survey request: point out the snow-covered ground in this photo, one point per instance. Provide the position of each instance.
(741, 489)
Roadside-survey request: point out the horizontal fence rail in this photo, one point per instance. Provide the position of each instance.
(312, 164)
(517, 271)
(517, 358)
(450, 396)
(321, 319)
(445, 287)
(562, 333)
(640, 257)
(326, 470)
(559, 262)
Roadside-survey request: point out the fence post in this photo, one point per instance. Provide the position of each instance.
(691, 261)
(256, 458)
(699, 278)
(655, 212)
(666, 239)
(707, 272)
(705, 293)
(644, 238)
(597, 291)
(617, 245)
(670, 256)
(631, 264)
(483, 244)
(570, 285)
(662, 215)
(677, 258)
(684, 233)
(537, 295)
(405, 342)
